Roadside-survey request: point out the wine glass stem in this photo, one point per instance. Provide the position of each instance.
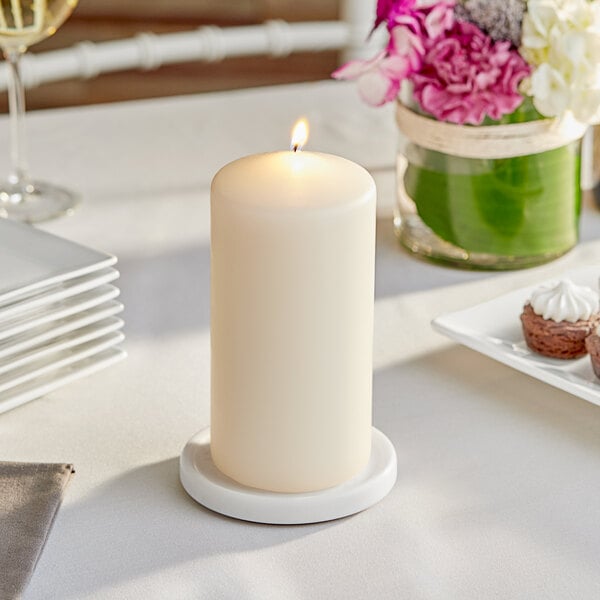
(19, 176)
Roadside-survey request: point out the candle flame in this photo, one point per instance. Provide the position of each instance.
(299, 135)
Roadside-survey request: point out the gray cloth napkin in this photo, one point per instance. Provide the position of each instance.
(30, 495)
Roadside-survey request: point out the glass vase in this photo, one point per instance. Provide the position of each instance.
(490, 197)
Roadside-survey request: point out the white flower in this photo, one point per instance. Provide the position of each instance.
(562, 39)
(549, 90)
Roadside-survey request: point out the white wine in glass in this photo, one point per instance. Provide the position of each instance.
(23, 23)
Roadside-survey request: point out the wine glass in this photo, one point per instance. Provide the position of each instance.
(23, 23)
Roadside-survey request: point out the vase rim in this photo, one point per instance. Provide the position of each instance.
(488, 141)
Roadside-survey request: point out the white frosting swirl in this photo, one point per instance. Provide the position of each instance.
(565, 301)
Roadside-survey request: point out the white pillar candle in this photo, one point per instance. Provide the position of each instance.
(292, 287)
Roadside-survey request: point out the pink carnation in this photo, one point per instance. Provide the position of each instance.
(379, 78)
(388, 10)
(465, 76)
(458, 72)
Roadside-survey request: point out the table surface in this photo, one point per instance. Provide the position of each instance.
(499, 474)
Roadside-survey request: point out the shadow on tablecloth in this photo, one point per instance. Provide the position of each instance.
(148, 525)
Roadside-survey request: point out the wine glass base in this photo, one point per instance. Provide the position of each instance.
(36, 202)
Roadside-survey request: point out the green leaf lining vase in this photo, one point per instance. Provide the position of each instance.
(501, 196)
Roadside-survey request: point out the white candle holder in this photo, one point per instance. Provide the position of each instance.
(214, 490)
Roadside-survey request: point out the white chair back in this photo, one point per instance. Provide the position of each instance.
(150, 51)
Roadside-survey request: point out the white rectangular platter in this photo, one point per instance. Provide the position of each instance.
(494, 329)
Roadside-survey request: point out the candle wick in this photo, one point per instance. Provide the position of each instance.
(295, 147)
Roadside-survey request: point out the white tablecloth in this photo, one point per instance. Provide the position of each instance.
(499, 474)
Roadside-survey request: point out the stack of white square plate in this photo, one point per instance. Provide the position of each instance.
(57, 313)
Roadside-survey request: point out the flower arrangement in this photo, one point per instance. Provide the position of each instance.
(468, 60)
(495, 96)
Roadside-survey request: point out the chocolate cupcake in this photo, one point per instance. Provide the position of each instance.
(558, 319)
(592, 344)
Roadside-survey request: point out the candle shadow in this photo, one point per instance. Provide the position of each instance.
(166, 294)
(142, 523)
(399, 271)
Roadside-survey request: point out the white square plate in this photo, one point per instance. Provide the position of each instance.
(63, 358)
(57, 310)
(61, 376)
(65, 342)
(494, 329)
(32, 259)
(57, 292)
(49, 331)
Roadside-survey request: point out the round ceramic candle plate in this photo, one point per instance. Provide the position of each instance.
(208, 486)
